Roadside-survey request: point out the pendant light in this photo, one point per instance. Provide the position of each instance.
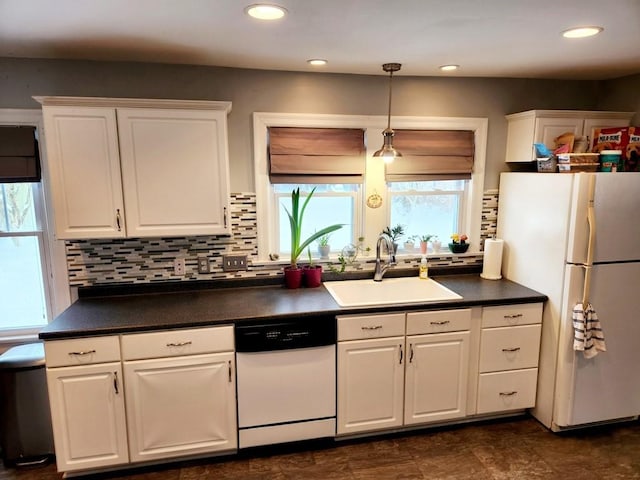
(387, 152)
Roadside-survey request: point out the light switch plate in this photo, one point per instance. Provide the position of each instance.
(234, 263)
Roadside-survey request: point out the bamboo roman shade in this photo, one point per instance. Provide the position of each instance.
(316, 155)
(432, 155)
(19, 160)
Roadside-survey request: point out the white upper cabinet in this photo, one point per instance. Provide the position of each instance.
(84, 169)
(137, 168)
(543, 126)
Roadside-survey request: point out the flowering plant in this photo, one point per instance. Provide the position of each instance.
(457, 238)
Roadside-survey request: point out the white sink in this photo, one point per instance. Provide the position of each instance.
(360, 293)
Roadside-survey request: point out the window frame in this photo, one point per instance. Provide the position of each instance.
(57, 292)
(373, 220)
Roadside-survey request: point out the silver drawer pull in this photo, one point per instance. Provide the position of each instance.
(444, 322)
(515, 315)
(375, 327)
(179, 344)
(508, 394)
(514, 349)
(82, 352)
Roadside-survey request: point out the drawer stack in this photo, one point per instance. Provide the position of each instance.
(509, 349)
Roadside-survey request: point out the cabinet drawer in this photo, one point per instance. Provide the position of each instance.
(419, 323)
(509, 348)
(512, 315)
(354, 327)
(503, 391)
(171, 343)
(82, 351)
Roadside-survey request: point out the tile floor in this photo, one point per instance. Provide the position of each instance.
(507, 449)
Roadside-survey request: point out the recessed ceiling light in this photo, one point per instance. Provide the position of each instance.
(264, 11)
(581, 32)
(449, 68)
(317, 62)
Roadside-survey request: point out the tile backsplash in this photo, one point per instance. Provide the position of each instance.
(149, 260)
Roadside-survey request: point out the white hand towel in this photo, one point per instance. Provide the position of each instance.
(588, 336)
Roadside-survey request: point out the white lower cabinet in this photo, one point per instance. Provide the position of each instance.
(87, 403)
(509, 351)
(178, 387)
(436, 377)
(181, 392)
(180, 406)
(370, 384)
(393, 381)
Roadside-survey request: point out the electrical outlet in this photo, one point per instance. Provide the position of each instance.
(178, 266)
(203, 265)
(234, 263)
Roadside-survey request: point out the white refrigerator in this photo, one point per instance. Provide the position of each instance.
(543, 219)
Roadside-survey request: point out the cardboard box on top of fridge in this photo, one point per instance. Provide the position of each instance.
(626, 139)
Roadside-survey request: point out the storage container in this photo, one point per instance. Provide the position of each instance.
(578, 162)
(610, 160)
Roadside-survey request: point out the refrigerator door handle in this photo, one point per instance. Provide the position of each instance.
(591, 221)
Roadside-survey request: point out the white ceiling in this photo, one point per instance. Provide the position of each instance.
(488, 38)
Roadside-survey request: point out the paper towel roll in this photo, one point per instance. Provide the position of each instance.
(492, 262)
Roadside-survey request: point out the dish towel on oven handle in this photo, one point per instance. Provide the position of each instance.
(588, 336)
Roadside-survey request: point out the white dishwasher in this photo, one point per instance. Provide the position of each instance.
(286, 380)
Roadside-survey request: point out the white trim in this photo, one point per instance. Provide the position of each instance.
(375, 220)
(134, 103)
(56, 269)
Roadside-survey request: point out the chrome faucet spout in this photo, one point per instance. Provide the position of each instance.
(381, 268)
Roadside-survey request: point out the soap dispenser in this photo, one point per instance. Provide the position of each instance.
(424, 268)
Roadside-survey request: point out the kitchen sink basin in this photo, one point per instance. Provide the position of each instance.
(360, 293)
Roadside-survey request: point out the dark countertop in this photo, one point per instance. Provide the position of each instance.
(105, 315)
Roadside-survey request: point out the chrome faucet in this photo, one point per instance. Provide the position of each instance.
(391, 261)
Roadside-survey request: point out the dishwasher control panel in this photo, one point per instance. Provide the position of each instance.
(303, 333)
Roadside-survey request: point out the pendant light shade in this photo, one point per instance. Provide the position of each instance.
(387, 152)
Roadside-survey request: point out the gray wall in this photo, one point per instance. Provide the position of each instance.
(271, 91)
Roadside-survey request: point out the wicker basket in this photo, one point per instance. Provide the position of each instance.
(547, 165)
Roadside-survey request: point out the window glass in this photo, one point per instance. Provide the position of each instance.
(330, 204)
(433, 207)
(23, 301)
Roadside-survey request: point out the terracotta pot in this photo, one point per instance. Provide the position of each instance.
(292, 277)
(312, 276)
(423, 247)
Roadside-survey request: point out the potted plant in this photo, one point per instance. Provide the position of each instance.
(312, 273)
(436, 244)
(394, 234)
(459, 243)
(323, 246)
(293, 274)
(424, 240)
(410, 243)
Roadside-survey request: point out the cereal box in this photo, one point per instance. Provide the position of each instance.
(631, 154)
(619, 138)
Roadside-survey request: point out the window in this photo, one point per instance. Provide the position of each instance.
(431, 207)
(23, 292)
(33, 276)
(369, 222)
(330, 204)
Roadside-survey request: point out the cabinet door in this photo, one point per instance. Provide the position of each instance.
(590, 124)
(84, 166)
(181, 406)
(548, 128)
(436, 377)
(370, 384)
(88, 416)
(174, 171)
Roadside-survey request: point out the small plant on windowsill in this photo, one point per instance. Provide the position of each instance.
(459, 243)
(293, 274)
(394, 234)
